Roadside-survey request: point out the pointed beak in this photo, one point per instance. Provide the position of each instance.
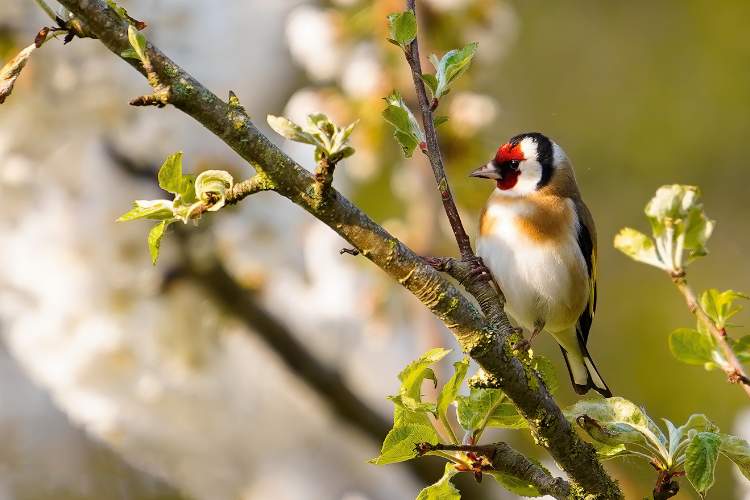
(487, 171)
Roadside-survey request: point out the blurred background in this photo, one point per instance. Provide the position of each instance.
(253, 361)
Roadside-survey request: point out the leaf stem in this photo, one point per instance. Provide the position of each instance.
(444, 420)
(733, 369)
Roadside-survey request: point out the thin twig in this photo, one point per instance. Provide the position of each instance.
(733, 368)
(507, 460)
(242, 190)
(433, 148)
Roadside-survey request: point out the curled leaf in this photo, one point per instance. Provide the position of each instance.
(12, 69)
(211, 187)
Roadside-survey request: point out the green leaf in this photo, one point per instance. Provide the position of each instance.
(149, 209)
(415, 373)
(129, 54)
(170, 174)
(678, 436)
(678, 221)
(452, 65)
(700, 460)
(638, 246)
(741, 348)
(487, 408)
(402, 27)
(439, 120)
(515, 485)
(692, 346)
(443, 489)
(138, 42)
(547, 371)
(720, 305)
(401, 441)
(290, 130)
(154, 239)
(738, 451)
(450, 389)
(407, 132)
(431, 83)
(124, 14)
(616, 421)
(211, 187)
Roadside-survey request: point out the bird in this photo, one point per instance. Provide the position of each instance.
(538, 240)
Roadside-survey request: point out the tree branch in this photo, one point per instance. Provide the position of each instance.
(482, 339)
(507, 460)
(733, 369)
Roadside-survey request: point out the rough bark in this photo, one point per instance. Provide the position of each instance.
(482, 339)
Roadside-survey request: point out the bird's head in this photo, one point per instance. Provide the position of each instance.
(523, 165)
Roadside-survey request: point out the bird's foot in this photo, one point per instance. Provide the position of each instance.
(477, 270)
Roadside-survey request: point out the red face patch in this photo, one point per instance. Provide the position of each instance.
(510, 178)
(508, 152)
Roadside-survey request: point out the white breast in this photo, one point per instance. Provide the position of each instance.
(542, 281)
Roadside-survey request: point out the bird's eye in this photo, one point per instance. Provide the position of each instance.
(514, 164)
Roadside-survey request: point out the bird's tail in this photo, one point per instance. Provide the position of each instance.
(583, 372)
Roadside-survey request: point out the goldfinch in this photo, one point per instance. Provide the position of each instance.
(537, 237)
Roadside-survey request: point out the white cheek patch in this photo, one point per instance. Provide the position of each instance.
(531, 174)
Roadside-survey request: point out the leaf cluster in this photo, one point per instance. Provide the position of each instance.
(619, 428)
(679, 230)
(330, 140)
(415, 420)
(192, 197)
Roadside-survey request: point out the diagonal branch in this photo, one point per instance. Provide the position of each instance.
(503, 458)
(482, 338)
(733, 368)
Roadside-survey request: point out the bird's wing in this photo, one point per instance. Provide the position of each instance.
(587, 244)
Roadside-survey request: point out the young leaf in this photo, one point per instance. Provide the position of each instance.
(10, 71)
(616, 421)
(453, 64)
(288, 129)
(402, 27)
(515, 485)
(487, 408)
(738, 451)
(154, 239)
(720, 305)
(677, 218)
(149, 209)
(138, 42)
(700, 460)
(400, 443)
(443, 489)
(415, 373)
(431, 83)
(690, 346)
(407, 132)
(450, 389)
(211, 187)
(638, 246)
(170, 174)
(124, 14)
(547, 371)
